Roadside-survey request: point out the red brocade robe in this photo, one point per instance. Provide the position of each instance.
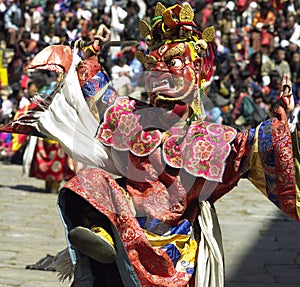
(154, 202)
(165, 185)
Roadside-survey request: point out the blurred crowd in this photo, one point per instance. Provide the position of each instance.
(256, 42)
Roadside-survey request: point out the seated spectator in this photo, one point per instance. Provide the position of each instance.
(131, 22)
(49, 22)
(13, 23)
(261, 109)
(295, 37)
(24, 51)
(28, 46)
(73, 30)
(32, 16)
(3, 8)
(8, 108)
(35, 32)
(121, 74)
(263, 28)
(222, 52)
(226, 25)
(289, 35)
(51, 38)
(254, 67)
(136, 67)
(267, 65)
(275, 86)
(242, 114)
(295, 71)
(281, 65)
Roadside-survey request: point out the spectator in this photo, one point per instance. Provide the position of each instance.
(295, 72)
(222, 52)
(50, 22)
(116, 26)
(35, 32)
(121, 74)
(213, 113)
(261, 109)
(25, 49)
(28, 46)
(5, 140)
(275, 86)
(255, 67)
(242, 114)
(63, 37)
(295, 37)
(227, 26)
(207, 18)
(134, 64)
(131, 22)
(8, 108)
(267, 65)
(281, 65)
(2, 13)
(263, 28)
(20, 98)
(73, 29)
(13, 23)
(199, 5)
(245, 19)
(290, 6)
(31, 90)
(51, 38)
(289, 35)
(31, 16)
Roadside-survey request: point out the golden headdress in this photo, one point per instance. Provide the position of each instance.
(176, 24)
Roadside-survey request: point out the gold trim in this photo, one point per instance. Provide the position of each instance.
(159, 9)
(144, 28)
(178, 50)
(208, 34)
(186, 14)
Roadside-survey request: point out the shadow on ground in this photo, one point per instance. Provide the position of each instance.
(28, 188)
(273, 260)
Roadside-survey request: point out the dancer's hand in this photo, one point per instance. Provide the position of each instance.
(286, 94)
(102, 37)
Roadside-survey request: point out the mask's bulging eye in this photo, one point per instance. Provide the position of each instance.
(176, 63)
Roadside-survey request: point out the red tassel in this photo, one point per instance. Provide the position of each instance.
(209, 62)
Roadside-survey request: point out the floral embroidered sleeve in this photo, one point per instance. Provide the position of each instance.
(274, 165)
(269, 157)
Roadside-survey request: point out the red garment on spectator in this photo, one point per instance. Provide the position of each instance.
(50, 162)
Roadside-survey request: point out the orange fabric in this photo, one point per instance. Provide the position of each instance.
(59, 56)
(269, 19)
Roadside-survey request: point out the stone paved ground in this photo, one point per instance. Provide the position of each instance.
(30, 228)
(262, 246)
